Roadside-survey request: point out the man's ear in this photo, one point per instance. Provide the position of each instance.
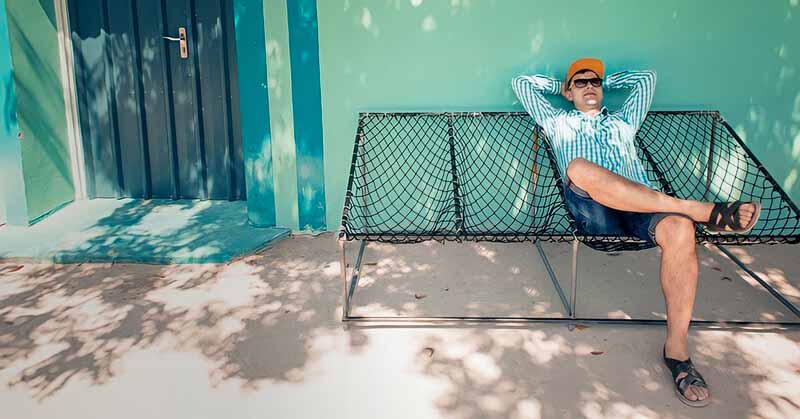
(566, 93)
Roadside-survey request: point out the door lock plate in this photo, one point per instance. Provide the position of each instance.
(181, 42)
(182, 37)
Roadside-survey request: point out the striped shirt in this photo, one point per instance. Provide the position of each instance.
(606, 139)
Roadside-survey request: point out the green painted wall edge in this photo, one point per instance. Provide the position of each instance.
(33, 37)
(13, 208)
(279, 83)
(254, 111)
(307, 111)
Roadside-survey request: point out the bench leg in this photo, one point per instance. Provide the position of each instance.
(349, 291)
(343, 270)
(573, 300)
(553, 278)
(448, 321)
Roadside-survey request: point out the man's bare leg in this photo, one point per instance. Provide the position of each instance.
(615, 191)
(675, 236)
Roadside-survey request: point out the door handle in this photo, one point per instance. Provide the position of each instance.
(181, 38)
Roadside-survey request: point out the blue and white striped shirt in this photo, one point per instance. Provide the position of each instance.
(606, 139)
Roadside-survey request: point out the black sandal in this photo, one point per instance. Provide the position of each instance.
(692, 378)
(726, 214)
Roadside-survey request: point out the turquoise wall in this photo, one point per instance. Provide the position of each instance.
(304, 58)
(12, 188)
(254, 110)
(279, 82)
(33, 37)
(431, 55)
(295, 114)
(739, 56)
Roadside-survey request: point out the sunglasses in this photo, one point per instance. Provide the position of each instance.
(581, 83)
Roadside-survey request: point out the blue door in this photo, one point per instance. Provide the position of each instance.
(158, 98)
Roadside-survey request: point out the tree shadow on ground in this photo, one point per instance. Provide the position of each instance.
(273, 318)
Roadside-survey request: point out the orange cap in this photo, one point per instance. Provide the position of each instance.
(592, 64)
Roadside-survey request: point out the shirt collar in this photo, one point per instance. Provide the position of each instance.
(603, 113)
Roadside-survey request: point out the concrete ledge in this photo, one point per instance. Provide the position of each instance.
(144, 231)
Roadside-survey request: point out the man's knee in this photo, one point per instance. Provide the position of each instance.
(577, 168)
(675, 230)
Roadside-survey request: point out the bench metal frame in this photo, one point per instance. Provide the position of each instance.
(570, 307)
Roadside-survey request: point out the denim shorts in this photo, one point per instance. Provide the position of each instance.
(593, 218)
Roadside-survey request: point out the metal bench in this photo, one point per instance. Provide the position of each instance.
(491, 176)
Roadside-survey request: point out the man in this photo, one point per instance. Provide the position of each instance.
(607, 191)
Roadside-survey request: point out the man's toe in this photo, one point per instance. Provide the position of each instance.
(698, 393)
(693, 394)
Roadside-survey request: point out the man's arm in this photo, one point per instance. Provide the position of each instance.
(643, 85)
(531, 90)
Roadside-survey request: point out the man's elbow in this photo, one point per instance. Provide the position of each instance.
(519, 80)
(518, 83)
(644, 79)
(650, 75)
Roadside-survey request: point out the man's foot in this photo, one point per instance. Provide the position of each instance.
(733, 217)
(690, 387)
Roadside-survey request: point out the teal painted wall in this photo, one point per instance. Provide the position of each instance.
(304, 58)
(739, 56)
(12, 188)
(254, 111)
(40, 105)
(439, 55)
(295, 114)
(279, 76)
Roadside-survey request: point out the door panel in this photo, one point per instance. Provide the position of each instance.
(121, 48)
(156, 104)
(155, 124)
(211, 41)
(187, 135)
(89, 39)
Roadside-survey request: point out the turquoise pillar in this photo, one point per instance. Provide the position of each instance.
(251, 61)
(307, 102)
(13, 205)
(284, 161)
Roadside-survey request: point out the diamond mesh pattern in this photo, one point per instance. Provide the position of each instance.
(492, 177)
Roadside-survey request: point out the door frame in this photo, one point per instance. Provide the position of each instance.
(69, 88)
(81, 174)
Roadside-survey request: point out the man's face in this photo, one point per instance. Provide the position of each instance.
(587, 97)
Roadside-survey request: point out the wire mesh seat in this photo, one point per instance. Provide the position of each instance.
(492, 177)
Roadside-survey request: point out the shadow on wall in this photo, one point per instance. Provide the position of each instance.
(461, 55)
(48, 7)
(9, 150)
(41, 104)
(10, 107)
(769, 121)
